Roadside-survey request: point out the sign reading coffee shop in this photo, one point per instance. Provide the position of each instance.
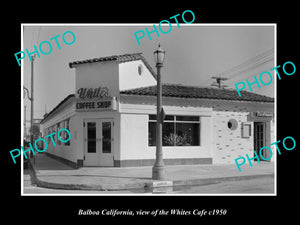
(95, 99)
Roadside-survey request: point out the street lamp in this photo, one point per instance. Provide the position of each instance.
(158, 170)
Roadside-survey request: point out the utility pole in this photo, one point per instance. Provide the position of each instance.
(24, 124)
(218, 82)
(31, 102)
(31, 113)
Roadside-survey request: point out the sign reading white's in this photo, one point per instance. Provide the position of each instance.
(92, 93)
(95, 99)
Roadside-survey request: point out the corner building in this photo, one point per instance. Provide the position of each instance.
(112, 118)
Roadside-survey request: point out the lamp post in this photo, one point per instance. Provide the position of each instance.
(158, 170)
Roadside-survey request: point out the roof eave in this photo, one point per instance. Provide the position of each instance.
(166, 96)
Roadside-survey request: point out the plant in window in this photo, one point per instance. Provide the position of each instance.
(150, 139)
(177, 140)
(170, 140)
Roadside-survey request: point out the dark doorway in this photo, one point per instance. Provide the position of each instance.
(260, 140)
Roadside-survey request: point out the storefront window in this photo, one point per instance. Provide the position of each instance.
(53, 136)
(67, 126)
(57, 129)
(167, 132)
(49, 132)
(176, 131)
(151, 134)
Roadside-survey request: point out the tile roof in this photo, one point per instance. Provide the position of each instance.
(118, 58)
(180, 91)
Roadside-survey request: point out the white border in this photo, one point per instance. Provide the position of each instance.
(149, 24)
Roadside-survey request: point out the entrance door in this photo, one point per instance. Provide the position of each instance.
(260, 139)
(98, 142)
(91, 155)
(106, 143)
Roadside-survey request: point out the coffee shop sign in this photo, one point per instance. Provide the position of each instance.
(95, 99)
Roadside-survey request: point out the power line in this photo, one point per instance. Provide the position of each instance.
(250, 67)
(38, 37)
(247, 65)
(250, 63)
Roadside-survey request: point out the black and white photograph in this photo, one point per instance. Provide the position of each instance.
(184, 113)
(132, 114)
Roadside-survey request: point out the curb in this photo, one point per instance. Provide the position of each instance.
(138, 185)
(207, 181)
(105, 187)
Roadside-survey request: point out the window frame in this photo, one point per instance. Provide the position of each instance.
(175, 121)
(58, 127)
(67, 126)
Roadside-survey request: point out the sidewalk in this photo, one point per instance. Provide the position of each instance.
(51, 173)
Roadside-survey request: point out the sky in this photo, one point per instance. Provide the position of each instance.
(194, 53)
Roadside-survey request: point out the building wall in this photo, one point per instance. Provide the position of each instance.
(128, 72)
(273, 139)
(82, 116)
(217, 140)
(62, 150)
(94, 75)
(229, 144)
(134, 122)
(218, 144)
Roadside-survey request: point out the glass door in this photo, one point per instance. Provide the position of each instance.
(91, 141)
(98, 142)
(106, 143)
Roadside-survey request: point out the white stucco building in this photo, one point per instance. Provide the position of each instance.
(111, 118)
